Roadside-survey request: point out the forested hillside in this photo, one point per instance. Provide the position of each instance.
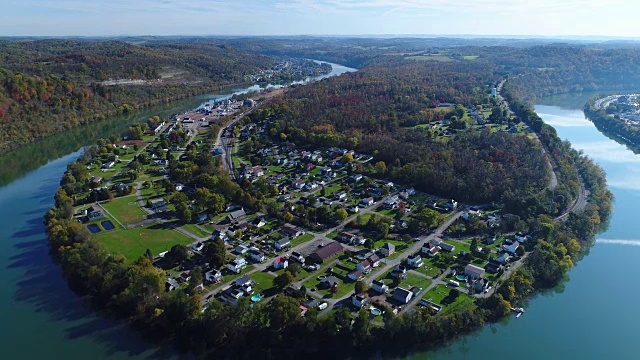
(51, 85)
(375, 111)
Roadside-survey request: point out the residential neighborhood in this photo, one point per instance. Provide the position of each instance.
(329, 221)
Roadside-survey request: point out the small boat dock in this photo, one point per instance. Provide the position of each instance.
(518, 311)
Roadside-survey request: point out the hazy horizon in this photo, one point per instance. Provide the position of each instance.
(419, 18)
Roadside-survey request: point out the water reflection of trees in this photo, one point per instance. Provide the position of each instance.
(20, 162)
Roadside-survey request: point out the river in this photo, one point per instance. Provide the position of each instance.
(40, 318)
(594, 314)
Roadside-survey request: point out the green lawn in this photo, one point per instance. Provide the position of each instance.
(125, 209)
(470, 57)
(415, 280)
(301, 239)
(263, 280)
(441, 292)
(195, 230)
(429, 269)
(133, 243)
(459, 246)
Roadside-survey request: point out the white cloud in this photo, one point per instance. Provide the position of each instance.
(565, 121)
(466, 6)
(619, 242)
(609, 151)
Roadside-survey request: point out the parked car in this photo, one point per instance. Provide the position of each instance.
(323, 306)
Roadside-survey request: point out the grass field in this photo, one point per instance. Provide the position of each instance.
(429, 269)
(442, 58)
(470, 57)
(133, 243)
(415, 280)
(125, 209)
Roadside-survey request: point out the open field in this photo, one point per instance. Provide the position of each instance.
(125, 209)
(429, 58)
(134, 242)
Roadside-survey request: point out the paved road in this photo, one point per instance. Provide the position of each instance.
(389, 264)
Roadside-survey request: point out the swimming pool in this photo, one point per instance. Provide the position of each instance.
(256, 298)
(376, 312)
(461, 278)
(108, 225)
(93, 228)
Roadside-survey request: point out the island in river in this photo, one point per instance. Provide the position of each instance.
(208, 246)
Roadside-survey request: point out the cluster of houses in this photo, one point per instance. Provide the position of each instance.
(364, 267)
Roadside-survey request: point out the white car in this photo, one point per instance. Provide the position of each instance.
(313, 267)
(323, 306)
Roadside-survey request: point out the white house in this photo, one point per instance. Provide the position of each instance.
(237, 265)
(521, 238)
(256, 255)
(379, 286)
(341, 195)
(402, 295)
(241, 249)
(366, 202)
(213, 276)
(374, 260)
(415, 261)
(388, 249)
(446, 247)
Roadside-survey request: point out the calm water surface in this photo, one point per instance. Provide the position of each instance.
(40, 318)
(595, 314)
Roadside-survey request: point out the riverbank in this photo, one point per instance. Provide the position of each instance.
(612, 125)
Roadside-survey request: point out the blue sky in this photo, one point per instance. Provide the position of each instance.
(322, 17)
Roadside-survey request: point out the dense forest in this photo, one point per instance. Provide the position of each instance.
(51, 85)
(537, 67)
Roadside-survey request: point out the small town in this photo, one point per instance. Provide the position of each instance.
(623, 108)
(330, 234)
